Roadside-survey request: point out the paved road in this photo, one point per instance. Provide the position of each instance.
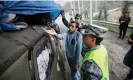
(117, 49)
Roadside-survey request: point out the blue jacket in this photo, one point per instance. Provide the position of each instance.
(73, 46)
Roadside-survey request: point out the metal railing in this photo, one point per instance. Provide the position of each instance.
(112, 24)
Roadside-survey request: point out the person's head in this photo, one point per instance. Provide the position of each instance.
(74, 26)
(78, 18)
(126, 13)
(91, 39)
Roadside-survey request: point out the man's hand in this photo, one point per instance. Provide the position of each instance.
(130, 42)
(63, 13)
(51, 31)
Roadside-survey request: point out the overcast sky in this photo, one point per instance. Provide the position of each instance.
(62, 3)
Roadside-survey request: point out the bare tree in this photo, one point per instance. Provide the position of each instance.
(125, 6)
(67, 7)
(100, 14)
(103, 10)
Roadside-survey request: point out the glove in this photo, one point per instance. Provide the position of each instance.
(130, 42)
(75, 68)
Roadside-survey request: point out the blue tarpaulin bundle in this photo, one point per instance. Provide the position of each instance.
(26, 8)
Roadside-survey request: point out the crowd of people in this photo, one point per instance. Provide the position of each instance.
(94, 65)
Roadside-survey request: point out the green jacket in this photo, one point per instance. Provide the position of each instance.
(66, 23)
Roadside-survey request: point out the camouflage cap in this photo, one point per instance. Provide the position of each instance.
(77, 16)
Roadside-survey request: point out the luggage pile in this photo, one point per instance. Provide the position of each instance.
(15, 15)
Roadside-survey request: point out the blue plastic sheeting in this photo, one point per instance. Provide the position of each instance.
(29, 8)
(55, 14)
(6, 26)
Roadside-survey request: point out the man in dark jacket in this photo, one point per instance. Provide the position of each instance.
(77, 19)
(128, 60)
(124, 21)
